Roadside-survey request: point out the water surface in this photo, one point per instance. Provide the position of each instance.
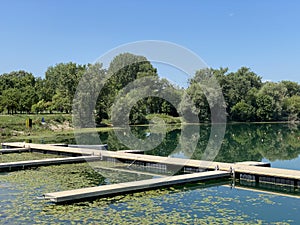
(192, 204)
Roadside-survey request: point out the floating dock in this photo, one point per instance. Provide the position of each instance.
(11, 166)
(121, 188)
(14, 150)
(99, 147)
(133, 151)
(256, 172)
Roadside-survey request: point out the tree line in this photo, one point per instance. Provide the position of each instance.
(247, 97)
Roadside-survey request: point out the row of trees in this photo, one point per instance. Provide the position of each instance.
(247, 97)
(129, 77)
(21, 92)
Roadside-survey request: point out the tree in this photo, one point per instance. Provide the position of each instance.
(238, 85)
(242, 111)
(28, 97)
(161, 104)
(17, 91)
(292, 107)
(198, 97)
(43, 91)
(293, 88)
(270, 101)
(61, 102)
(265, 110)
(1, 104)
(139, 98)
(87, 99)
(123, 69)
(61, 83)
(206, 94)
(11, 99)
(39, 106)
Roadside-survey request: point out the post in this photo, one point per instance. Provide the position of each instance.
(295, 183)
(28, 123)
(256, 178)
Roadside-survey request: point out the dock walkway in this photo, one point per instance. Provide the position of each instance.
(114, 189)
(249, 170)
(13, 150)
(10, 166)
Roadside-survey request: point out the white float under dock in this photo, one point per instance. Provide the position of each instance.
(116, 189)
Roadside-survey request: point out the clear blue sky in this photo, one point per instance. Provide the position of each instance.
(262, 35)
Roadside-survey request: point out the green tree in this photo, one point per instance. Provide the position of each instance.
(242, 111)
(197, 96)
(160, 104)
(61, 102)
(123, 69)
(87, 99)
(292, 107)
(270, 101)
(145, 95)
(293, 88)
(28, 98)
(206, 94)
(1, 104)
(40, 106)
(11, 99)
(239, 85)
(42, 91)
(17, 90)
(60, 85)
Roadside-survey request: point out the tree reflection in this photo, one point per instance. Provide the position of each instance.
(242, 142)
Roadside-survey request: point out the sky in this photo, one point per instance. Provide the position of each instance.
(261, 35)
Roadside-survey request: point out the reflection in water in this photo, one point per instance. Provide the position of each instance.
(258, 141)
(242, 142)
(187, 205)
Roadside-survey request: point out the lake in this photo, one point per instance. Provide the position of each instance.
(200, 203)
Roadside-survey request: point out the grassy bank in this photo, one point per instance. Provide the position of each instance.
(166, 118)
(15, 125)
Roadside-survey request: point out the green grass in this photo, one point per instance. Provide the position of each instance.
(166, 118)
(15, 125)
(19, 119)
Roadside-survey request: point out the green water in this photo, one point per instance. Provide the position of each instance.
(192, 204)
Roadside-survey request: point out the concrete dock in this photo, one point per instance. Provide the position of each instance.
(115, 189)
